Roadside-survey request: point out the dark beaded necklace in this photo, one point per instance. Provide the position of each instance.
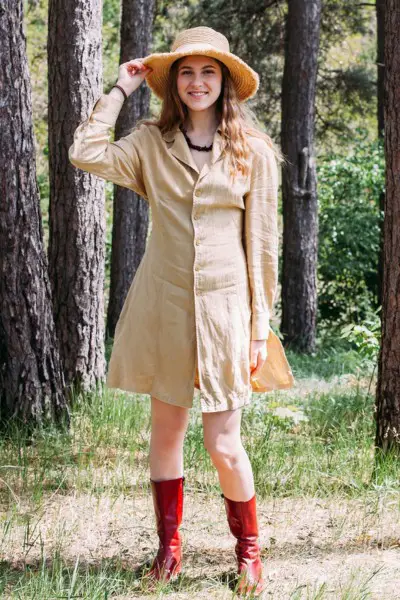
(193, 146)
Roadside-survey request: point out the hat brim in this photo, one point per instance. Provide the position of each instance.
(245, 79)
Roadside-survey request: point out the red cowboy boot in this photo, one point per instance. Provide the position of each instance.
(168, 508)
(242, 520)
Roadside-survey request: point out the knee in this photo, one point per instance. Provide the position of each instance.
(168, 423)
(224, 455)
(167, 438)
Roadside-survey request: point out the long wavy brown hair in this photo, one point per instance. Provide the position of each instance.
(236, 119)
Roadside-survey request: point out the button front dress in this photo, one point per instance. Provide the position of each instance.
(207, 281)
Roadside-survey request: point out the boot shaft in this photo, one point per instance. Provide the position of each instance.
(168, 508)
(242, 520)
(242, 517)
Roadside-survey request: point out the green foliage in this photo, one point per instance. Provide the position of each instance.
(366, 337)
(111, 41)
(349, 188)
(346, 85)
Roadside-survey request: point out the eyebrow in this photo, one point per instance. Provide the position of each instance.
(189, 67)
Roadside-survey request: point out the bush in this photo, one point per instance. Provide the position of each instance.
(349, 188)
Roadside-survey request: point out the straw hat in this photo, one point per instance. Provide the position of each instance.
(206, 41)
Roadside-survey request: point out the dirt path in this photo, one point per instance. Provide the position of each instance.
(305, 543)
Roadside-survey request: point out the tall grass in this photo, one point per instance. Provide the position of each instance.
(329, 451)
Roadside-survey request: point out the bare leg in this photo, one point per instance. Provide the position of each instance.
(168, 428)
(223, 442)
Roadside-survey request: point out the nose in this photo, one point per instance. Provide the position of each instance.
(197, 80)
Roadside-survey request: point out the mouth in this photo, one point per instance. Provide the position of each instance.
(198, 94)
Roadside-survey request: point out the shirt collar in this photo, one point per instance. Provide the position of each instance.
(181, 150)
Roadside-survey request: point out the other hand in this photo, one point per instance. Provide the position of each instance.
(258, 355)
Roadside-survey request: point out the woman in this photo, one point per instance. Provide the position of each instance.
(197, 313)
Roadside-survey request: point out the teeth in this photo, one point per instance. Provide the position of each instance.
(197, 93)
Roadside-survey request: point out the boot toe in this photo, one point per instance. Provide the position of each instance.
(166, 568)
(250, 585)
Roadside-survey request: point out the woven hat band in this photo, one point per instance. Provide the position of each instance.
(192, 47)
(202, 36)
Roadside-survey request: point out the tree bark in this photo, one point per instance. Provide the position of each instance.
(300, 207)
(31, 379)
(76, 212)
(388, 385)
(130, 211)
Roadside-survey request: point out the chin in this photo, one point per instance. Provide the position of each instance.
(197, 107)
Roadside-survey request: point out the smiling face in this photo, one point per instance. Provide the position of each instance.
(199, 81)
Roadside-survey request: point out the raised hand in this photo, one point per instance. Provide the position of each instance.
(131, 74)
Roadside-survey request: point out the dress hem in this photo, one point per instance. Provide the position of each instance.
(147, 388)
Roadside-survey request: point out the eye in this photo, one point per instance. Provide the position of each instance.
(187, 72)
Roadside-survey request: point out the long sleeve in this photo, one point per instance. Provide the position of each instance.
(261, 239)
(93, 152)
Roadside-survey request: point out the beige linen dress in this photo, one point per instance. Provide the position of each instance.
(207, 281)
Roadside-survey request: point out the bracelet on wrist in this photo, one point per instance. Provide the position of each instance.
(122, 90)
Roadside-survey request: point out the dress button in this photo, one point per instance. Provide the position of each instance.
(197, 242)
(197, 268)
(197, 193)
(195, 217)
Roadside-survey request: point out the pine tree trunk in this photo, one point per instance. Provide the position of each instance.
(388, 386)
(300, 208)
(130, 212)
(380, 51)
(31, 380)
(76, 211)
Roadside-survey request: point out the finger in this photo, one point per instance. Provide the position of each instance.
(143, 68)
(138, 62)
(133, 64)
(253, 359)
(141, 71)
(260, 362)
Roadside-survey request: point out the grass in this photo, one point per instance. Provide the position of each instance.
(321, 448)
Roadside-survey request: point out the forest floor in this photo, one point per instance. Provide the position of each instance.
(310, 548)
(96, 542)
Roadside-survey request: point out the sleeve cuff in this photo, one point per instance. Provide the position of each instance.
(107, 109)
(260, 326)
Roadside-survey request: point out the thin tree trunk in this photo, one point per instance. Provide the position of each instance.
(300, 208)
(388, 386)
(31, 380)
(380, 27)
(76, 212)
(131, 212)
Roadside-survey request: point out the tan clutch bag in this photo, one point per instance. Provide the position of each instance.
(275, 373)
